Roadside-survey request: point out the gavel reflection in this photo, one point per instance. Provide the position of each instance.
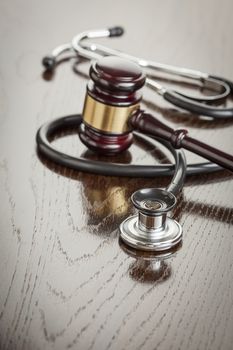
(112, 111)
(111, 200)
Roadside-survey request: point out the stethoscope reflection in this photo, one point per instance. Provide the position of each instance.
(149, 267)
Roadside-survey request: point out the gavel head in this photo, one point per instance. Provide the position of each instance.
(113, 94)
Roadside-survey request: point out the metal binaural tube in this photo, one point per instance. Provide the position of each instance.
(90, 50)
(50, 61)
(95, 52)
(93, 34)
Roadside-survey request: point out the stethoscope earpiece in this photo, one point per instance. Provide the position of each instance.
(151, 228)
(49, 62)
(116, 31)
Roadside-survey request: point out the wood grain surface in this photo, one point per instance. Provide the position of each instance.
(66, 282)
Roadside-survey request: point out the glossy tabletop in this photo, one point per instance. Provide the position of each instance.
(66, 280)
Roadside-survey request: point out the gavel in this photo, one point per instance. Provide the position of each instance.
(112, 112)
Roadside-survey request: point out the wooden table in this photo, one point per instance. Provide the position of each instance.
(66, 283)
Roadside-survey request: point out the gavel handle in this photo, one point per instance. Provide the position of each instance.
(179, 138)
(211, 153)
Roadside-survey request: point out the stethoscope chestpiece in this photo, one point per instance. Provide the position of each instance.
(151, 229)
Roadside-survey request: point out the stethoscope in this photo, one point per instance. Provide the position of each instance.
(193, 104)
(111, 115)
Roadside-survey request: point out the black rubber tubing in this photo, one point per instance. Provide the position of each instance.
(227, 81)
(196, 107)
(178, 170)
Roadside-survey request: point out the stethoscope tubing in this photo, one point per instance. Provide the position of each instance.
(178, 171)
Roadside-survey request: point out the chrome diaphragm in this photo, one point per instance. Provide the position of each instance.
(151, 229)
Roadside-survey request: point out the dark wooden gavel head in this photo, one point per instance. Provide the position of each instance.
(113, 94)
(112, 110)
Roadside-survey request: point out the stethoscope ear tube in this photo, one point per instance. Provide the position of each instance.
(195, 107)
